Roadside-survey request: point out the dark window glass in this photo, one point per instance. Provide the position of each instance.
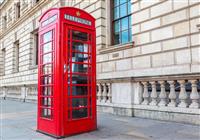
(79, 102)
(80, 113)
(79, 90)
(79, 79)
(36, 47)
(76, 35)
(122, 21)
(80, 47)
(80, 68)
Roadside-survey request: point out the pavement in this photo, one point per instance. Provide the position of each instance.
(18, 122)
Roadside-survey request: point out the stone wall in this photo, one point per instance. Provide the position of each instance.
(166, 41)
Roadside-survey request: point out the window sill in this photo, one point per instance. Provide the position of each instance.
(118, 47)
(33, 67)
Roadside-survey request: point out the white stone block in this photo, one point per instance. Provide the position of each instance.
(195, 39)
(141, 38)
(124, 64)
(193, 25)
(122, 93)
(132, 52)
(195, 11)
(135, 7)
(181, 28)
(177, 43)
(141, 62)
(145, 3)
(150, 24)
(100, 31)
(161, 9)
(90, 8)
(183, 57)
(195, 68)
(175, 17)
(135, 29)
(180, 4)
(98, 69)
(196, 55)
(100, 40)
(163, 33)
(108, 66)
(193, 1)
(140, 16)
(102, 57)
(163, 59)
(152, 48)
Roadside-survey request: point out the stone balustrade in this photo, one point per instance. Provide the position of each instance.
(173, 93)
(104, 92)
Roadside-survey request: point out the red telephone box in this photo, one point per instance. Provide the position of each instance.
(66, 72)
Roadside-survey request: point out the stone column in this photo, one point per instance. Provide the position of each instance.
(145, 94)
(163, 94)
(172, 94)
(183, 95)
(154, 94)
(194, 96)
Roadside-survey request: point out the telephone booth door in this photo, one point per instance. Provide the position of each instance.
(80, 80)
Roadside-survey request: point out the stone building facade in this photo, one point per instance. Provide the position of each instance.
(148, 54)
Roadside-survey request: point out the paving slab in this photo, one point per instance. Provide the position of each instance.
(18, 122)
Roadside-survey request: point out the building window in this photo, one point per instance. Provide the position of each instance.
(35, 48)
(18, 12)
(3, 55)
(121, 21)
(16, 56)
(4, 22)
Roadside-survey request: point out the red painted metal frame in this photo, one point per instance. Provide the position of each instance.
(59, 125)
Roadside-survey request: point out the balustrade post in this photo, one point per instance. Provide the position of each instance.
(194, 96)
(154, 94)
(172, 94)
(182, 95)
(99, 92)
(163, 94)
(145, 94)
(104, 94)
(109, 92)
